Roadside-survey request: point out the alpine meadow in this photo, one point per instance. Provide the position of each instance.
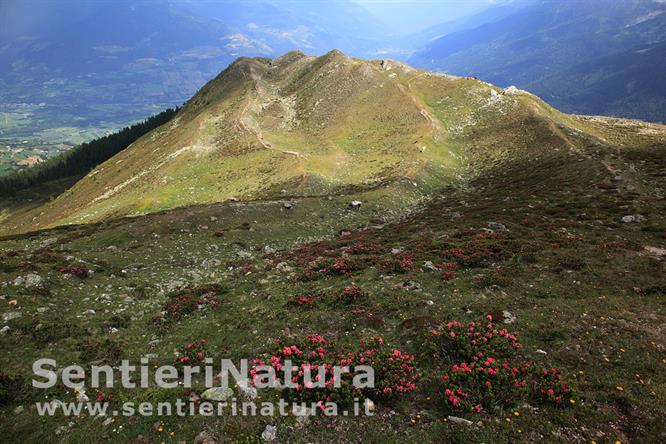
(379, 252)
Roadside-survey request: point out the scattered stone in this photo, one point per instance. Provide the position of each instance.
(355, 205)
(429, 265)
(541, 352)
(107, 421)
(269, 434)
(287, 205)
(513, 91)
(459, 420)
(509, 318)
(496, 226)
(269, 250)
(81, 395)
(283, 267)
(4, 330)
(89, 312)
(657, 253)
(302, 414)
(18, 410)
(246, 390)
(425, 304)
(369, 405)
(42, 309)
(6, 317)
(395, 251)
(217, 394)
(633, 218)
(48, 242)
(30, 280)
(205, 438)
(409, 285)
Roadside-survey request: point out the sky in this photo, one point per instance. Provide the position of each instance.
(410, 16)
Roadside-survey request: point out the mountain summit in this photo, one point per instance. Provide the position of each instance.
(309, 126)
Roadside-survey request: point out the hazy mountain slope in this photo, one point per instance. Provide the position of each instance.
(102, 64)
(302, 126)
(550, 44)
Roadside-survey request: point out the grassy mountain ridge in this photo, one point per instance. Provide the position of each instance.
(303, 126)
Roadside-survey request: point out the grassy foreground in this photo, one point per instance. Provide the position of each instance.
(539, 246)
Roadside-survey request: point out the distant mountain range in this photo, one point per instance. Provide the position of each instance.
(77, 65)
(589, 57)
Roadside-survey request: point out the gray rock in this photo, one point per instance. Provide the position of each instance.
(269, 434)
(496, 226)
(429, 265)
(459, 420)
(409, 285)
(205, 438)
(269, 250)
(29, 281)
(42, 309)
(355, 205)
(11, 315)
(633, 218)
(284, 267)
(302, 414)
(217, 394)
(18, 410)
(4, 330)
(508, 317)
(246, 390)
(48, 242)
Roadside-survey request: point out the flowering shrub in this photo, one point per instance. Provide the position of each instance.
(395, 373)
(461, 341)
(78, 271)
(483, 371)
(483, 384)
(395, 265)
(305, 299)
(182, 304)
(487, 384)
(364, 248)
(448, 275)
(350, 295)
(192, 353)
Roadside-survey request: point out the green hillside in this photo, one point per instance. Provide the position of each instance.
(494, 231)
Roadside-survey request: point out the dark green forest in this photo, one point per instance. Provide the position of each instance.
(82, 158)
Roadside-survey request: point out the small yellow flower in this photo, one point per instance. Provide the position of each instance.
(622, 350)
(573, 401)
(620, 389)
(516, 413)
(508, 419)
(172, 434)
